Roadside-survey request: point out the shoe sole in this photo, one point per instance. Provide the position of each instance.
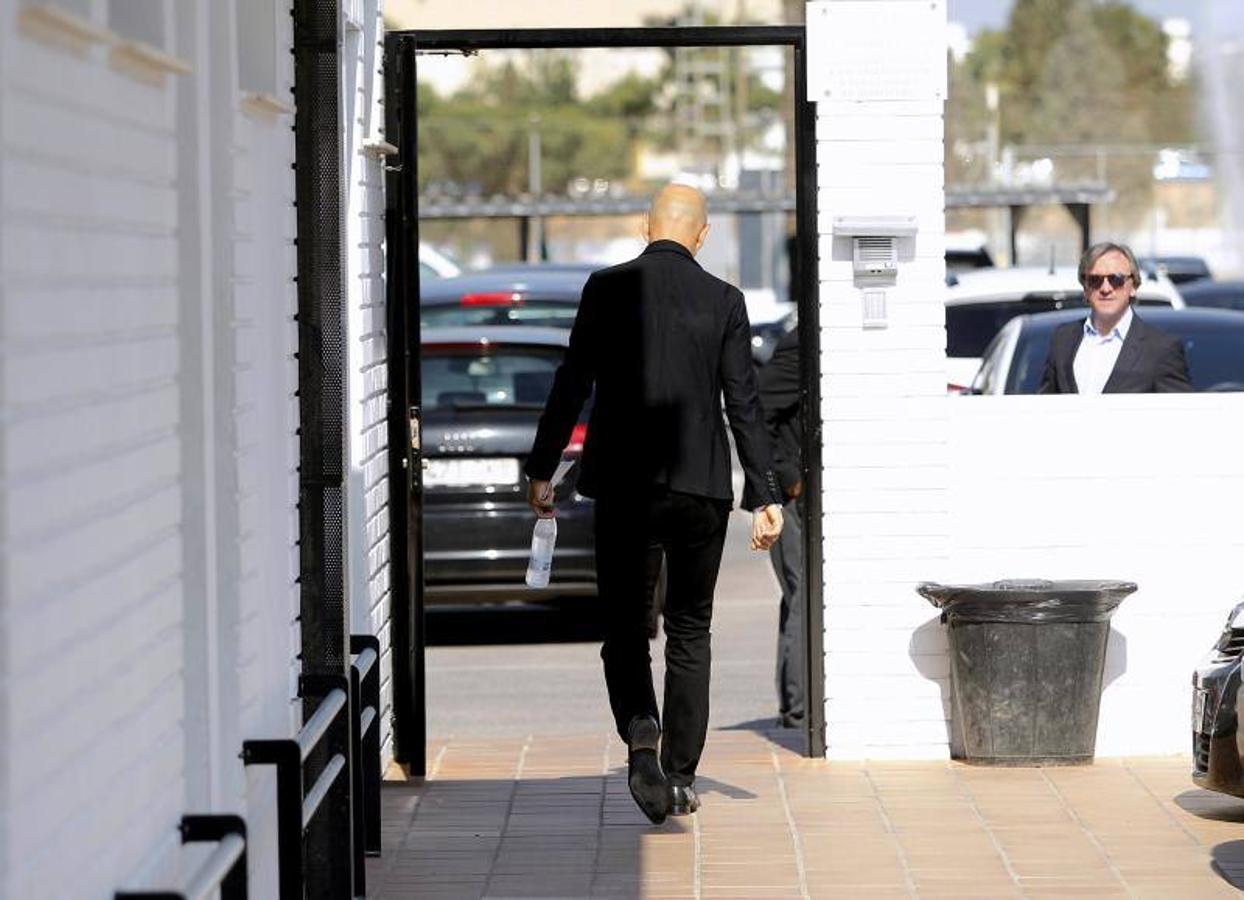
(649, 789)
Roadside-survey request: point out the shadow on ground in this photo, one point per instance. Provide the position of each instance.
(1211, 805)
(520, 623)
(1228, 857)
(1229, 862)
(786, 738)
(538, 837)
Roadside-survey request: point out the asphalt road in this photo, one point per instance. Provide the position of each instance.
(519, 671)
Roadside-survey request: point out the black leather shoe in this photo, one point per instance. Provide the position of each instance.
(683, 800)
(643, 770)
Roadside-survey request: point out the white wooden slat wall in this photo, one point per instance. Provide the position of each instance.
(368, 497)
(148, 453)
(91, 591)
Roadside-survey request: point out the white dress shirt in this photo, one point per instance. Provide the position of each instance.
(1098, 353)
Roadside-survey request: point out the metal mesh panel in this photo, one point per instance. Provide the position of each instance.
(321, 335)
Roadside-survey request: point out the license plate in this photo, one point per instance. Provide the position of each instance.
(1199, 725)
(483, 472)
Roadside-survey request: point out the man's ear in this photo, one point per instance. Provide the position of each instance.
(643, 229)
(699, 238)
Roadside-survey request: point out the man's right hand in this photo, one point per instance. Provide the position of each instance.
(540, 498)
(766, 526)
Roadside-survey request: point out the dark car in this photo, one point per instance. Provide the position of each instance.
(1213, 341)
(1216, 741)
(542, 295)
(1215, 294)
(483, 389)
(1179, 269)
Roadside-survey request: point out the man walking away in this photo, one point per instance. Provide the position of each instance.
(661, 341)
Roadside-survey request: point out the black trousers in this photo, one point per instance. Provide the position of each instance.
(787, 558)
(691, 530)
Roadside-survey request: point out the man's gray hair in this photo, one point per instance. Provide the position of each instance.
(1097, 251)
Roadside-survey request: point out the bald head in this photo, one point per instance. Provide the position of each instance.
(677, 214)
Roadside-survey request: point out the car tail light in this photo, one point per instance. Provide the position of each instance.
(493, 298)
(952, 388)
(577, 437)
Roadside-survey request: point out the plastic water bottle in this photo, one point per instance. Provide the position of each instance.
(543, 538)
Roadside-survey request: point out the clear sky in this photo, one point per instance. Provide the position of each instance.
(1219, 17)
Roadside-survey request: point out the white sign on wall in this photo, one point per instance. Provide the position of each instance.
(868, 50)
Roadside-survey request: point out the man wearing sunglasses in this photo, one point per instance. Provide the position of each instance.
(1113, 351)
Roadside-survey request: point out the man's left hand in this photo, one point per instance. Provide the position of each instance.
(766, 526)
(540, 498)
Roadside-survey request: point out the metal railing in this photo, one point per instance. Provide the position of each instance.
(365, 750)
(338, 746)
(224, 869)
(297, 804)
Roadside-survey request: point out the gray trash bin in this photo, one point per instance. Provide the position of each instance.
(1026, 662)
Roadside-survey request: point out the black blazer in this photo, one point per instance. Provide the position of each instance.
(1150, 362)
(779, 397)
(661, 340)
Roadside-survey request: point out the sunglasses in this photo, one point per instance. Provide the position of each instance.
(1093, 282)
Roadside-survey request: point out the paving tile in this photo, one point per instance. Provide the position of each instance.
(566, 826)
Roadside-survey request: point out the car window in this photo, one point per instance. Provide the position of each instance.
(990, 370)
(474, 375)
(544, 314)
(426, 272)
(1028, 361)
(971, 326)
(1215, 357)
(1217, 298)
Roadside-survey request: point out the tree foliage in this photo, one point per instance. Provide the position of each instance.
(477, 140)
(1068, 72)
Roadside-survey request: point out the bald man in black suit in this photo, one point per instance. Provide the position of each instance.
(662, 342)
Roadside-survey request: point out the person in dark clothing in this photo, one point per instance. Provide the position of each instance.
(1113, 350)
(661, 341)
(779, 396)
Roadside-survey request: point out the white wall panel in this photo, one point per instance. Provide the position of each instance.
(367, 385)
(91, 591)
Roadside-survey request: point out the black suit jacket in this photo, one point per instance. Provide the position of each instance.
(661, 341)
(779, 397)
(1150, 362)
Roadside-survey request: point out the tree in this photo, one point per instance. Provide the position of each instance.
(477, 141)
(1069, 72)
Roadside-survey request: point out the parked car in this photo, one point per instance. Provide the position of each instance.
(483, 389)
(435, 264)
(1216, 738)
(1179, 269)
(542, 294)
(965, 251)
(1216, 294)
(982, 301)
(1213, 341)
(547, 295)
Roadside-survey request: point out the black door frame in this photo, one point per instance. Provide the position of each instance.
(401, 49)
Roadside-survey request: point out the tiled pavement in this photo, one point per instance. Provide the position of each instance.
(551, 817)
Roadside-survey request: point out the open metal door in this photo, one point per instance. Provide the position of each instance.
(405, 453)
(402, 48)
